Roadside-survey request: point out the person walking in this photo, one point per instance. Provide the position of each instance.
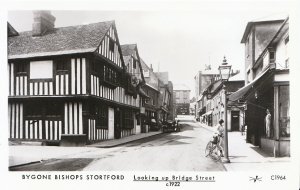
(220, 131)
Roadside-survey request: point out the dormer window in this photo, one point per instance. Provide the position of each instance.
(272, 55)
(41, 69)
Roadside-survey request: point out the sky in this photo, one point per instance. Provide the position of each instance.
(180, 41)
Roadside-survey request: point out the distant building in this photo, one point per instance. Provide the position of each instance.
(215, 104)
(152, 90)
(182, 98)
(166, 96)
(202, 80)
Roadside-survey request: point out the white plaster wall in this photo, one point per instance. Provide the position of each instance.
(111, 123)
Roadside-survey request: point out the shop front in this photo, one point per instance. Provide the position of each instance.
(267, 112)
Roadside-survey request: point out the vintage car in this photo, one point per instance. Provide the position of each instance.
(154, 125)
(170, 126)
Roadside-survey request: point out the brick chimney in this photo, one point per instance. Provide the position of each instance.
(43, 21)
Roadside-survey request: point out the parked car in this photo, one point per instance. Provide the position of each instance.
(154, 125)
(170, 126)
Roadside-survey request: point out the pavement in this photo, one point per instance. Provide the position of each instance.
(244, 156)
(38, 153)
(124, 140)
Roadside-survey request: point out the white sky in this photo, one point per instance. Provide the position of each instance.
(179, 41)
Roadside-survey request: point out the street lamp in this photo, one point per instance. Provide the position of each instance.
(225, 71)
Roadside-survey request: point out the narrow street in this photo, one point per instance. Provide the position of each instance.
(177, 151)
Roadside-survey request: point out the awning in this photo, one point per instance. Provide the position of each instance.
(241, 93)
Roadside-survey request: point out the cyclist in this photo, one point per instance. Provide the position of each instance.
(220, 131)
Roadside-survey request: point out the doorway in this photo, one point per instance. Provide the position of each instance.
(235, 120)
(117, 124)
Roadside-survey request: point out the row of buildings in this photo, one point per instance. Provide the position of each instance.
(259, 99)
(78, 83)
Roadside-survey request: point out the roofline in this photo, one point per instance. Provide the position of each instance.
(128, 44)
(252, 23)
(13, 30)
(140, 63)
(44, 54)
(108, 21)
(151, 87)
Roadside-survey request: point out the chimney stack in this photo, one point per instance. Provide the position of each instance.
(43, 21)
(151, 68)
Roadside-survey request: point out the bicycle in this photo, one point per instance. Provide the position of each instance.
(212, 149)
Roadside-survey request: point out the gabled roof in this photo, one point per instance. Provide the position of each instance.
(144, 65)
(64, 40)
(128, 49)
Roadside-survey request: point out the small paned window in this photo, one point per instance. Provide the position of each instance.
(33, 109)
(111, 45)
(101, 115)
(62, 64)
(128, 119)
(20, 68)
(272, 55)
(134, 63)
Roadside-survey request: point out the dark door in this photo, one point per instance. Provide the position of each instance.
(235, 120)
(117, 127)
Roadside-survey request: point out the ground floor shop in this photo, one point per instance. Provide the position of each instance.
(267, 112)
(54, 119)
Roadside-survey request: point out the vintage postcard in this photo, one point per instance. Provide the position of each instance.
(185, 94)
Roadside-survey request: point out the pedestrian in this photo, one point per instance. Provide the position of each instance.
(220, 131)
(243, 129)
(268, 123)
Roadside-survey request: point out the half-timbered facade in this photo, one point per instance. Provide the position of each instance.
(151, 104)
(134, 68)
(69, 81)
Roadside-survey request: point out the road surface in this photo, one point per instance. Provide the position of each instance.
(178, 151)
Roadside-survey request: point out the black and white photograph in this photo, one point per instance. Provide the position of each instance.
(202, 88)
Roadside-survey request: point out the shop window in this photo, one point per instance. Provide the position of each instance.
(101, 115)
(41, 69)
(128, 119)
(43, 109)
(54, 109)
(33, 109)
(284, 116)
